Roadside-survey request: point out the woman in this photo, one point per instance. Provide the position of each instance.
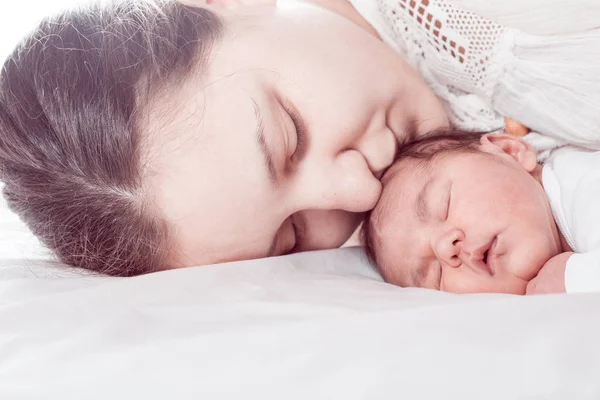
(147, 136)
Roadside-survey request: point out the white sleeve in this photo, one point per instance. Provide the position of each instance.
(538, 17)
(551, 83)
(571, 179)
(583, 273)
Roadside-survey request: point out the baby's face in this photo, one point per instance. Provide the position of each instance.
(465, 223)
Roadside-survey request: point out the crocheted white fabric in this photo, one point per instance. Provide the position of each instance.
(484, 70)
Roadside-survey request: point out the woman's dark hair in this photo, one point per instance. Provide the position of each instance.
(71, 143)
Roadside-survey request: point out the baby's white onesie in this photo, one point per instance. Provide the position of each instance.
(571, 179)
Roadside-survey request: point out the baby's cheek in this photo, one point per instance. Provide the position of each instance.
(523, 266)
(390, 269)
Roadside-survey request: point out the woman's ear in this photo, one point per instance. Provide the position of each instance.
(512, 146)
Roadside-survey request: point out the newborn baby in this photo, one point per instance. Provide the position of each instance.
(467, 213)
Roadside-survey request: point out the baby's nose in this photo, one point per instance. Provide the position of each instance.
(447, 248)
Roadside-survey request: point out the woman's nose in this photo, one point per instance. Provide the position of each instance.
(345, 183)
(447, 247)
(378, 148)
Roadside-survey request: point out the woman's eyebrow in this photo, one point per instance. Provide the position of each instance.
(264, 147)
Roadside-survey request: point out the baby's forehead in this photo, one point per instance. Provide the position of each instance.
(391, 216)
(402, 172)
(393, 240)
(392, 220)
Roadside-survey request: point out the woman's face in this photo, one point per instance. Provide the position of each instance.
(278, 146)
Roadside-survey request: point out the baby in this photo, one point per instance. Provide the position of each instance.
(467, 213)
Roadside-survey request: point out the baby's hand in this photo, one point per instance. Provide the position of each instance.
(551, 278)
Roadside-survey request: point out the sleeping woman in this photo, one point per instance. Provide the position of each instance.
(147, 135)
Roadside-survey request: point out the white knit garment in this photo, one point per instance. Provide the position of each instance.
(484, 71)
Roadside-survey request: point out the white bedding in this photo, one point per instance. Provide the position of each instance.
(317, 325)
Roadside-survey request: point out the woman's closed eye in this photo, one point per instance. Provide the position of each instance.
(298, 145)
(295, 235)
(299, 232)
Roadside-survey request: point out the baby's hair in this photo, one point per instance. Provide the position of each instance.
(424, 150)
(70, 133)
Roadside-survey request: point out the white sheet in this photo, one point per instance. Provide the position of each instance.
(317, 325)
(311, 326)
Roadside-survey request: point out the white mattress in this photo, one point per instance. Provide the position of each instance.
(317, 325)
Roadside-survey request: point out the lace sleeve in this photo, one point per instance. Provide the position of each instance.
(539, 17)
(452, 49)
(484, 71)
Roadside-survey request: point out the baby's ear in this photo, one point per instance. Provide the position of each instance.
(512, 146)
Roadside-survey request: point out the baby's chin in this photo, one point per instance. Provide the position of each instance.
(507, 287)
(504, 281)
